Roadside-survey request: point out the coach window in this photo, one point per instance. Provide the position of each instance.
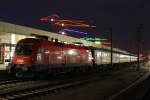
(40, 50)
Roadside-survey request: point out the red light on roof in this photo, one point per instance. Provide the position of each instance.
(44, 19)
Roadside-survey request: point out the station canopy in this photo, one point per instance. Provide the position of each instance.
(6, 27)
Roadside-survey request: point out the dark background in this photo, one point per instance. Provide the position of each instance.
(124, 16)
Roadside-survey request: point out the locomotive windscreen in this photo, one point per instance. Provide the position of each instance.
(24, 49)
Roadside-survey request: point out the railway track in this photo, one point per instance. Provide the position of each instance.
(9, 82)
(14, 88)
(27, 89)
(20, 89)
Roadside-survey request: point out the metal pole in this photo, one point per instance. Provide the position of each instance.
(138, 45)
(111, 55)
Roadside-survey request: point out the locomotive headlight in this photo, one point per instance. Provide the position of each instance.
(20, 61)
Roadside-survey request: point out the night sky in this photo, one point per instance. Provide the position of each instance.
(124, 16)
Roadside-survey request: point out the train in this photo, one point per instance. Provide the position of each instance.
(34, 56)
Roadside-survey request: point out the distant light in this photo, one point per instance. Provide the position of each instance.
(75, 31)
(122, 56)
(76, 44)
(65, 42)
(53, 40)
(52, 19)
(44, 19)
(96, 42)
(93, 39)
(33, 37)
(62, 24)
(63, 33)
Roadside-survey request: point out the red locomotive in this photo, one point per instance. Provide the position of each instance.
(34, 55)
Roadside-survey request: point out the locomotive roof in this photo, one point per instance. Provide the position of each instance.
(37, 40)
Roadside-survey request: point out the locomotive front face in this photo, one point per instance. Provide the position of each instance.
(23, 58)
(23, 53)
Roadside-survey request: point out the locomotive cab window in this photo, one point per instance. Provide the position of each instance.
(24, 49)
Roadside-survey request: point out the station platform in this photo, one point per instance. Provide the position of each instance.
(3, 66)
